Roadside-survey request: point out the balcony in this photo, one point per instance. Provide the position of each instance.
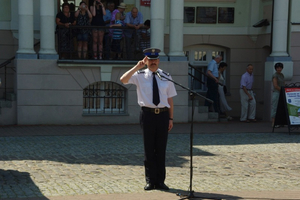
(126, 50)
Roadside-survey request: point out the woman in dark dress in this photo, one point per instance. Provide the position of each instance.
(98, 10)
(64, 19)
(83, 16)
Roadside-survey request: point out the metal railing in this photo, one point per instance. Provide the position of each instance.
(5, 65)
(200, 79)
(129, 47)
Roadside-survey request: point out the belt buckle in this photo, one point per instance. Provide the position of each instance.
(156, 110)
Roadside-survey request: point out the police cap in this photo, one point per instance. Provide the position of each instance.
(152, 53)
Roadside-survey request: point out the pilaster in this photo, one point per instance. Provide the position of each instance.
(176, 31)
(158, 21)
(26, 50)
(47, 50)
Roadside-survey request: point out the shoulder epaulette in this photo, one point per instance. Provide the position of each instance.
(141, 71)
(166, 73)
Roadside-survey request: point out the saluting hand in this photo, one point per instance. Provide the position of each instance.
(141, 63)
(127, 75)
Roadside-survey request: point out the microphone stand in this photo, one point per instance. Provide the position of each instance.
(192, 94)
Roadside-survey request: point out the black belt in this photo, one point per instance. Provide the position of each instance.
(155, 110)
(247, 89)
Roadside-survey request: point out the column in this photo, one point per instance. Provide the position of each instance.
(279, 52)
(26, 44)
(176, 31)
(47, 26)
(158, 21)
(280, 27)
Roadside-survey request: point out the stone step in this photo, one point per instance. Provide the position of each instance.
(204, 115)
(202, 109)
(213, 115)
(222, 119)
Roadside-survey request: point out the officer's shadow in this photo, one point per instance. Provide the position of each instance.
(16, 184)
(180, 194)
(188, 194)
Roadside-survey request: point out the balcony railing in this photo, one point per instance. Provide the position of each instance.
(130, 47)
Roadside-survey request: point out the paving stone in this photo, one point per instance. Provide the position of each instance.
(64, 165)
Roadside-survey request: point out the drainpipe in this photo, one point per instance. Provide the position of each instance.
(288, 48)
(272, 27)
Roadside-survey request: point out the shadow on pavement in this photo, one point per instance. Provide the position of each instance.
(123, 149)
(244, 138)
(18, 184)
(90, 149)
(181, 194)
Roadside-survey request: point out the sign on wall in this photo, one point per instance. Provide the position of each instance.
(145, 2)
(189, 15)
(226, 15)
(206, 15)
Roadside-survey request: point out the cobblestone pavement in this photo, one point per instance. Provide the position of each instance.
(54, 167)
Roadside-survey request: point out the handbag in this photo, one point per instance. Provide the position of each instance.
(225, 89)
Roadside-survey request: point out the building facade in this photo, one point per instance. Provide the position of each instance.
(43, 89)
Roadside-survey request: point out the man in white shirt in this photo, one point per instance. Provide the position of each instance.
(156, 117)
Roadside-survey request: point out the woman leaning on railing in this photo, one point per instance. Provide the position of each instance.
(64, 19)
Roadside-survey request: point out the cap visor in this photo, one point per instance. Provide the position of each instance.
(152, 57)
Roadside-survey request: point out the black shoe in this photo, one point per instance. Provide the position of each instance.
(161, 186)
(149, 186)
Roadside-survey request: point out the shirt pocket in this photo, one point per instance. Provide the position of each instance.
(163, 87)
(146, 88)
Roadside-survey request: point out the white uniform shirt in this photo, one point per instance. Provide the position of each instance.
(144, 84)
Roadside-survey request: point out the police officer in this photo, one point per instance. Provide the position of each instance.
(156, 117)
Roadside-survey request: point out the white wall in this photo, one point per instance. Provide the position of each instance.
(48, 94)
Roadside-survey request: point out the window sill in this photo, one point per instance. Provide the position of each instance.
(104, 114)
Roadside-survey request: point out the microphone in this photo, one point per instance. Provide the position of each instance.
(158, 75)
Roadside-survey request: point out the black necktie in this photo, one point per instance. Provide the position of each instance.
(155, 91)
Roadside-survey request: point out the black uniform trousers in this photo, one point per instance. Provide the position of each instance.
(213, 94)
(155, 136)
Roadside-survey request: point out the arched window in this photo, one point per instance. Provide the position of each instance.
(104, 98)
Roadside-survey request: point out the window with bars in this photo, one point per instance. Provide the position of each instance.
(104, 98)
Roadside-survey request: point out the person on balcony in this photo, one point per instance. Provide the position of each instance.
(107, 38)
(98, 10)
(84, 17)
(133, 20)
(117, 37)
(120, 9)
(145, 36)
(63, 21)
